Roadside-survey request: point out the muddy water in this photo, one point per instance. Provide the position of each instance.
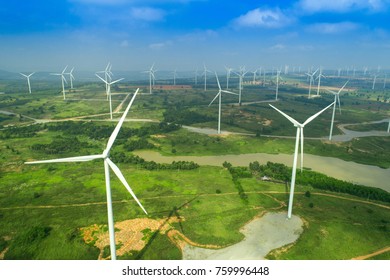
(261, 236)
(344, 170)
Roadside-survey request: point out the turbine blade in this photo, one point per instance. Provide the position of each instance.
(101, 78)
(219, 86)
(226, 91)
(116, 81)
(31, 74)
(63, 71)
(343, 86)
(338, 101)
(317, 114)
(114, 134)
(120, 176)
(215, 98)
(69, 159)
(287, 116)
(23, 75)
(331, 91)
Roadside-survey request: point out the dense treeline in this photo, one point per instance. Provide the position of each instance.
(185, 116)
(21, 132)
(237, 173)
(317, 180)
(141, 143)
(121, 157)
(61, 145)
(94, 131)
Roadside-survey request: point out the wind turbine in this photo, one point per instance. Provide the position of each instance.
(388, 128)
(107, 74)
(219, 95)
(62, 79)
(319, 81)
(373, 82)
(71, 78)
(384, 81)
(28, 80)
(205, 76)
(254, 75)
(241, 75)
(311, 79)
(107, 165)
(277, 83)
(228, 71)
(108, 86)
(151, 77)
(336, 98)
(299, 134)
(174, 77)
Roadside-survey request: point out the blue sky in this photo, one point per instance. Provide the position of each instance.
(132, 34)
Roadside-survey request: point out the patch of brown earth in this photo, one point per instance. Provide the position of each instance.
(130, 234)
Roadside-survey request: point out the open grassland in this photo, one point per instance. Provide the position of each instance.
(56, 202)
(43, 207)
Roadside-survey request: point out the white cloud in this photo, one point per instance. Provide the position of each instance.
(101, 2)
(147, 14)
(332, 28)
(342, 5)
(160, 45)
(124, 44)
(266, 18)
(200, 35)
(278, 47)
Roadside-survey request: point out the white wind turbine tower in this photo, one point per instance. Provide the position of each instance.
(228, 71)
(62, 79)
(71, 78)
(388, 128)
(310, 76)
(254, 75)
(107, 74)
(151, 77)
(319, 81)
(241, 75)
(107, 165)
(299, 134)
(336, 99)
(219, 95)
(373, 82)
(28, 80)
(108, 85)
(277, 83)
(174, 77)
(205, 76)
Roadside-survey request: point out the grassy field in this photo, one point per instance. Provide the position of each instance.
(40, 197)
(43, 207)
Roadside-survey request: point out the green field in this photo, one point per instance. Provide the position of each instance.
(43, 207)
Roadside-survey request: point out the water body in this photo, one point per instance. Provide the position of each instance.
(262, 235)
(344, 170)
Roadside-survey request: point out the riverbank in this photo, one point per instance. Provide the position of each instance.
(344, 170)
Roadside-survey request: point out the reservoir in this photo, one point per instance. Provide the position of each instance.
(349, 171)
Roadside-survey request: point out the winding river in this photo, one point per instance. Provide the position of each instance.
(344, 170)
